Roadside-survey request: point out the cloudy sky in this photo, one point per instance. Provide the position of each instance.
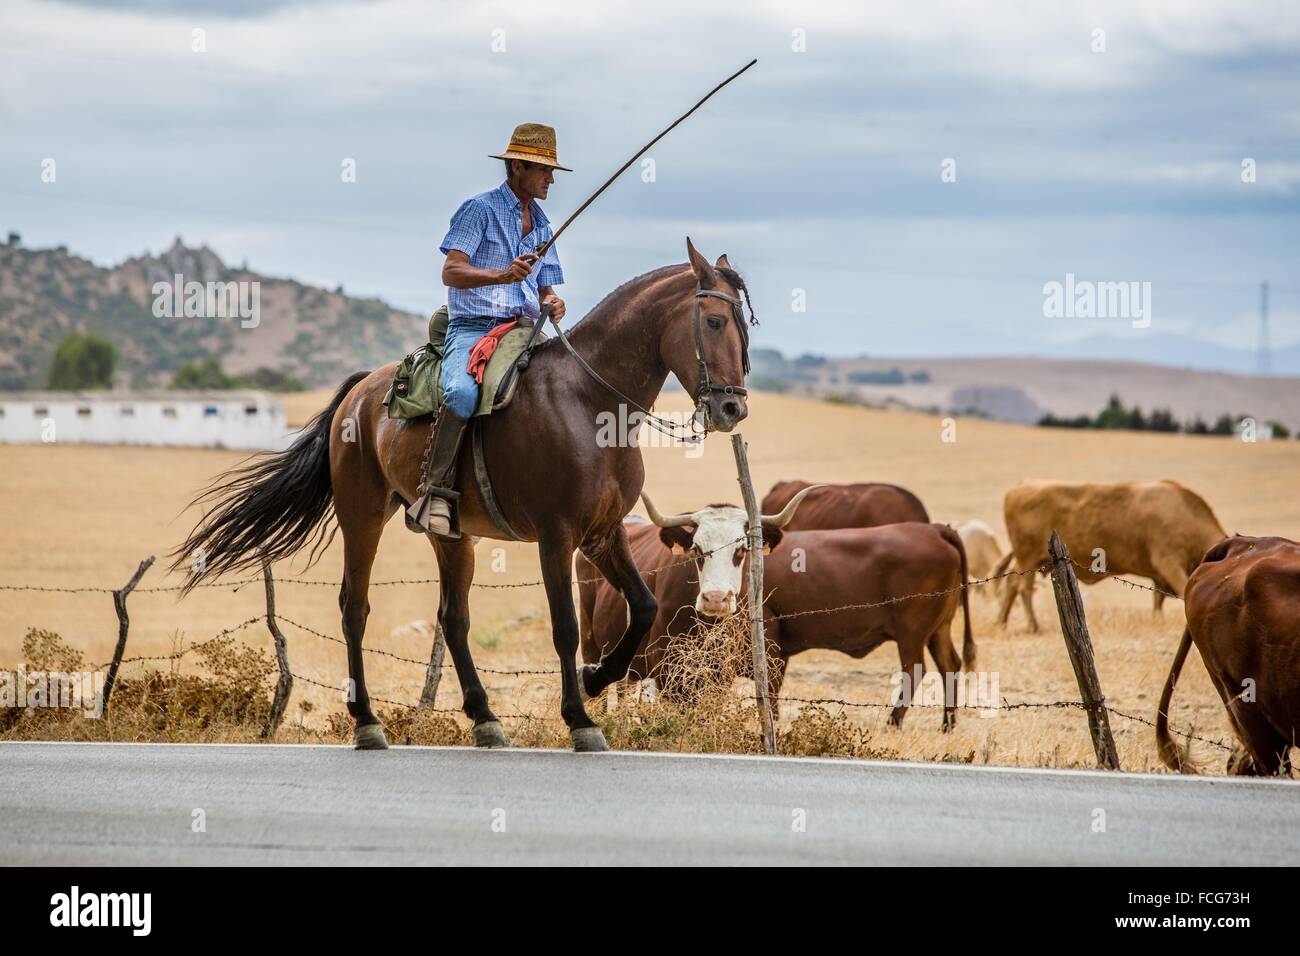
(820, 170)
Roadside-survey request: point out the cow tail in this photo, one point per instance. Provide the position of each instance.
(1003, 564)
(1170, 753)
(968, 640)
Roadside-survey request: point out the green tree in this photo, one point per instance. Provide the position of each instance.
(82, 360)
(1225, 425)
(1114, 415)
(205, 374)
(272, 380)
(1162, 420)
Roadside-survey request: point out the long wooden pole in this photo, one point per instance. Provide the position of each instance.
(1074, 625)
(433, 673)
(758, 640)
(284, 683)
(123, 625)
(542, 249)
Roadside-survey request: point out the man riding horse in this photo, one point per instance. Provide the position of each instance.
(354, 464)
(491, 281)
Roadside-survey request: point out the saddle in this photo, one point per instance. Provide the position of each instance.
(417, 383)
(417, 391)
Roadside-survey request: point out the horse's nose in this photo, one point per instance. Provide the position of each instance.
(730, 412)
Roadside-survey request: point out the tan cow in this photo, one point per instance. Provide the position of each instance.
(982, 550)
(1150, 529)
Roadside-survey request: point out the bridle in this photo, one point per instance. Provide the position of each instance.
(706, 382)
(707, 385)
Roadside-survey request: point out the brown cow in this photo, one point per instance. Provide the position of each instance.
(864, 505)
(843, 568)
(1243, 605)
(1151, 529)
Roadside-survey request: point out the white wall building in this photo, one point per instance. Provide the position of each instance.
(199, 419)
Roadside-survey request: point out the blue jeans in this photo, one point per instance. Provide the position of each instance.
(459, 390)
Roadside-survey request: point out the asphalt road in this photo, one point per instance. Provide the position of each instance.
(139, 803)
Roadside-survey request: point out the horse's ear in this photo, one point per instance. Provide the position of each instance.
(704, 273)
(722, 262)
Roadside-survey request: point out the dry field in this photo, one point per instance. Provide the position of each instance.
(84, 516)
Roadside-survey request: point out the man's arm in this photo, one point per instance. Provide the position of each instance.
(457, 273)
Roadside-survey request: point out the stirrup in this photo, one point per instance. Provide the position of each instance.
(419, 514)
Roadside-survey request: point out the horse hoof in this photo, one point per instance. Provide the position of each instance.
(490, 734)
(370, 737)
(588, 740)
(582, 683)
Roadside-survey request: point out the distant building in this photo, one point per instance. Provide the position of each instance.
(196, 419)
(14, 239)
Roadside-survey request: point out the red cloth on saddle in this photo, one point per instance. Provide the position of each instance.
(483, 349)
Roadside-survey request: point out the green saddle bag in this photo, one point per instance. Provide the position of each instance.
(417, 383)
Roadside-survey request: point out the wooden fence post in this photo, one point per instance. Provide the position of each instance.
(123, 624)
(757, 638)
(1074, 625)
(284, 683)
(432, 676)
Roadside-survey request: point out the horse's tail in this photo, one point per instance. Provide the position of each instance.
(267, 508)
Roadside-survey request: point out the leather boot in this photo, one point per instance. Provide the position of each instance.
(435, 511)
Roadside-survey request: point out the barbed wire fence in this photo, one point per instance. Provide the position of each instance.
(436, 664)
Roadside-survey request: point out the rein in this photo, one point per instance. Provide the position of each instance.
(657, 422)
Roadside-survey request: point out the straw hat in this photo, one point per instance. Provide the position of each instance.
(533, 143)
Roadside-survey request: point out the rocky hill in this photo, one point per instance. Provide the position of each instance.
(314, 334)
(320, 337)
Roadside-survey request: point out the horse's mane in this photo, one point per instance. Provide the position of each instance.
(731, 275)
(645, 278)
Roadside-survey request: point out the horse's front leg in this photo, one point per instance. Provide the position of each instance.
(556, 552)
(613, 556)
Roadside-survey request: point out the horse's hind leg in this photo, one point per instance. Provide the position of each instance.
(456, 573)
(362, 527)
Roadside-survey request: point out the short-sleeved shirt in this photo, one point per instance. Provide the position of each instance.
(487, 229)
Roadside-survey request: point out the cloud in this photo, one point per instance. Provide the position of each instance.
(821, 167)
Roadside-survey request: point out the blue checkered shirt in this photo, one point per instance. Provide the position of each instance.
(487, 229)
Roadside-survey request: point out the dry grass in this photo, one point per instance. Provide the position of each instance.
(84, 516)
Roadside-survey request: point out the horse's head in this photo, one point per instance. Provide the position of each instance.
(706, 342)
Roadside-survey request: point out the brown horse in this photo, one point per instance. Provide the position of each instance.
(558, 479)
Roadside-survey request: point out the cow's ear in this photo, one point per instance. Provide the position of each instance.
(677, 540)
(771, 538)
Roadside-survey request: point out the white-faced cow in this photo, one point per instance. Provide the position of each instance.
(831, 589)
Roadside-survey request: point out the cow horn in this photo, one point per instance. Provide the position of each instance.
(672, 521)
(783, 519)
